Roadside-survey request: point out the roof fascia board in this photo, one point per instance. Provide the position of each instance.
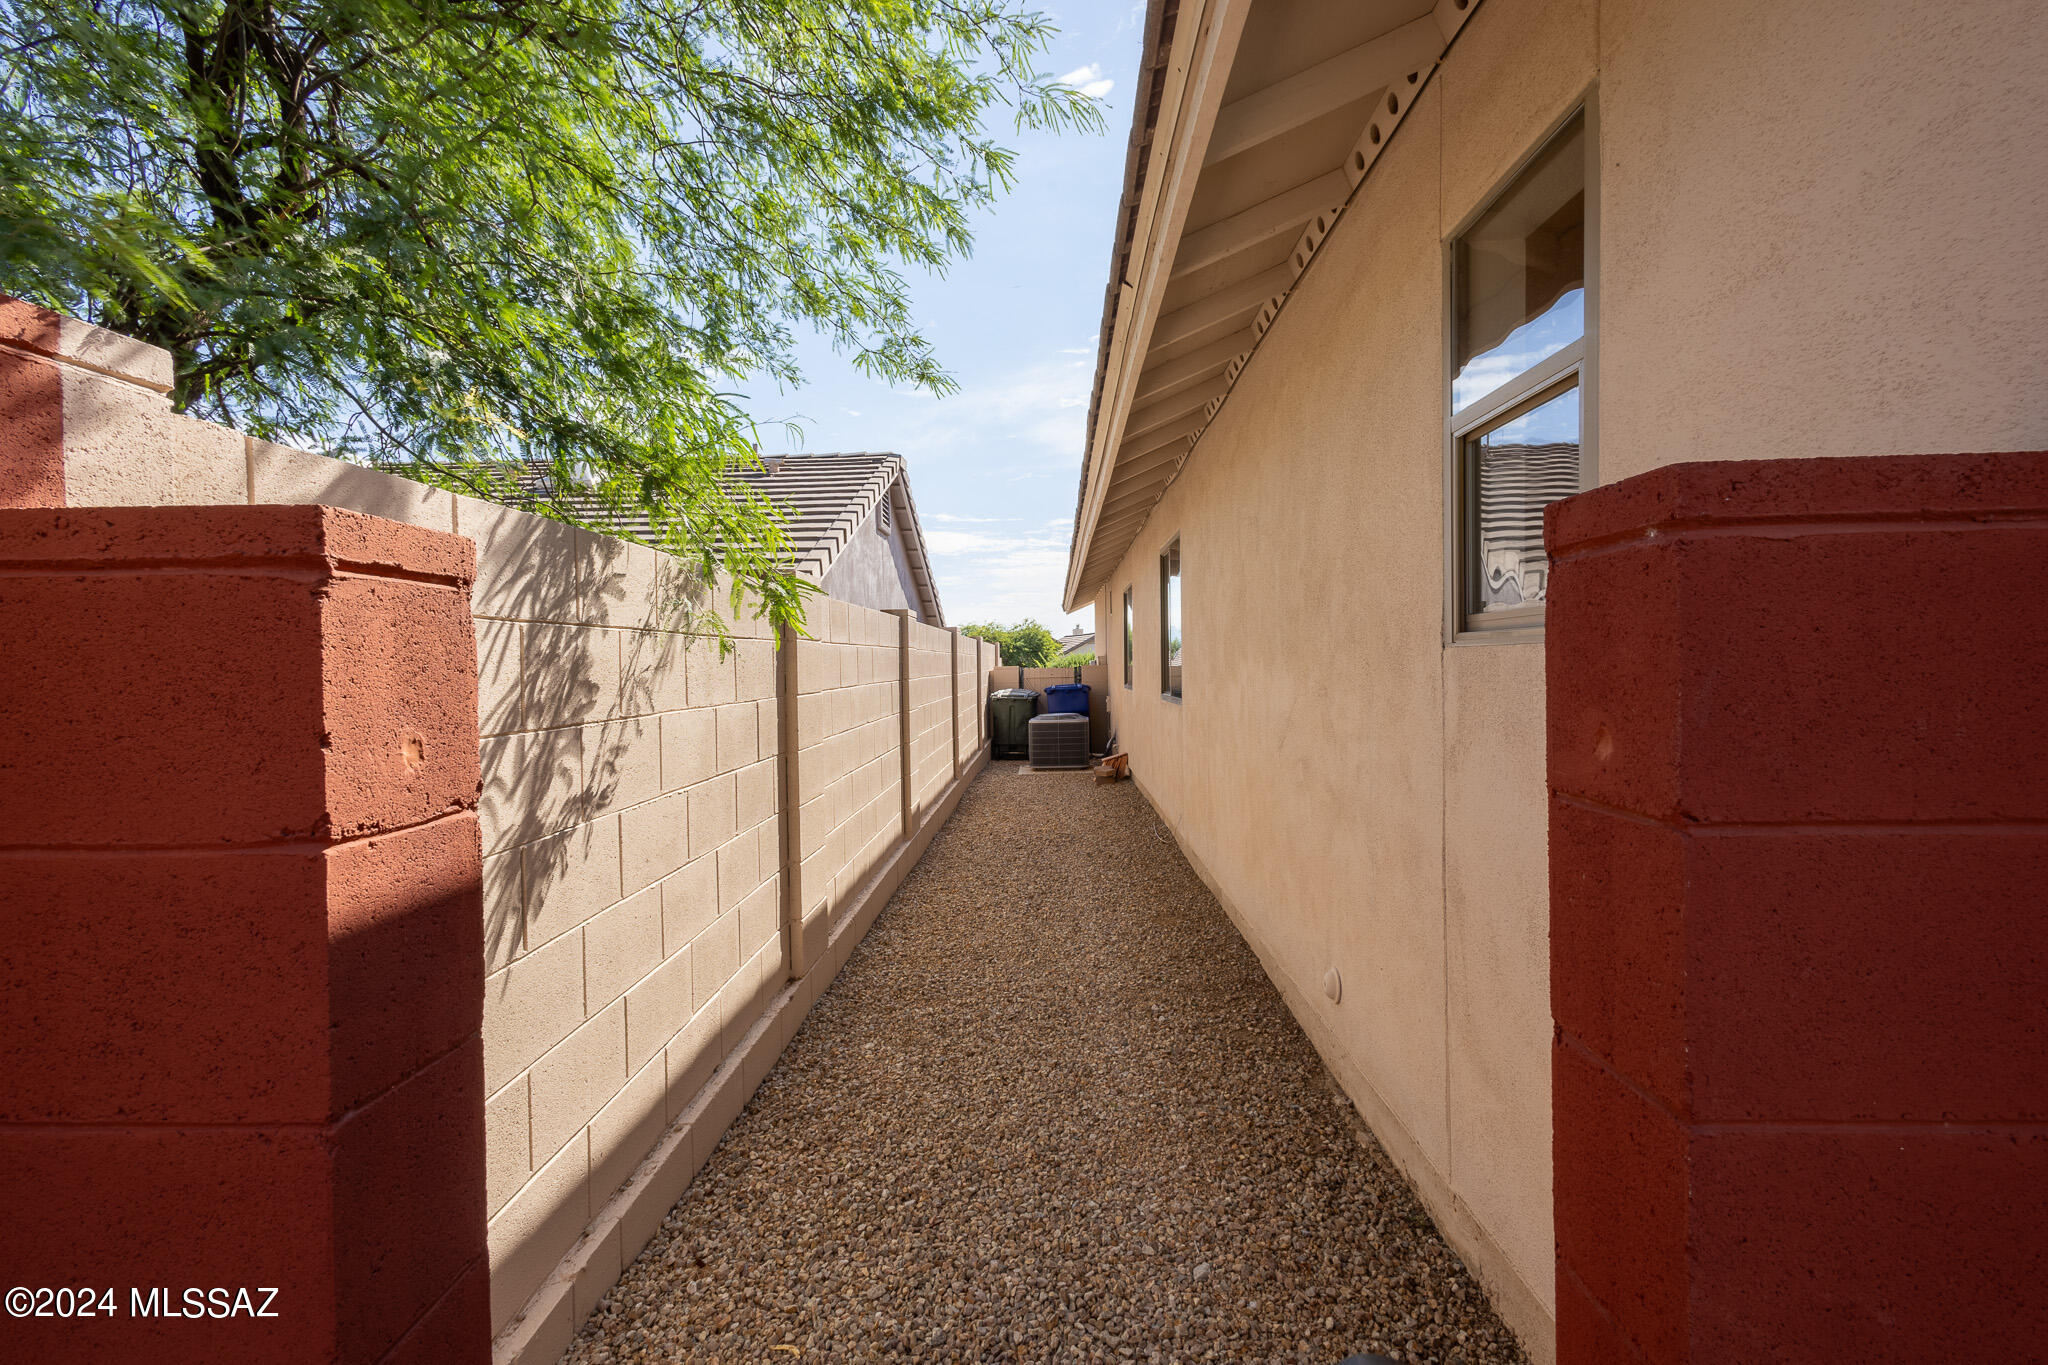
(1200, 70)
(1409, 43)
(912, 531)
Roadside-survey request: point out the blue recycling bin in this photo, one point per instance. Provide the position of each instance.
(1066, 697)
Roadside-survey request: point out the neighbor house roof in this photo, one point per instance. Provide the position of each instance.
(1248, 142)
(825, 499)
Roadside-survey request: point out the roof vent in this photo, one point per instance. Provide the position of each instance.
(772, 462)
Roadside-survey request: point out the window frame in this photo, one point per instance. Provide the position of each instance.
(1171, 550)
(1574, 366)
(1524, 618)
(1130, 643)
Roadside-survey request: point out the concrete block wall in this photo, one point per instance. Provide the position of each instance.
(670, 834)
(849, 788)
(969, 702)
(241, 986)
(931, 713)
(1798, 772)
(633, 851)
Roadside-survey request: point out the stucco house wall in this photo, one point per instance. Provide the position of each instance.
(872, 571)
(1818, 232)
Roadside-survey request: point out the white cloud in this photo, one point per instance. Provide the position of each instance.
(1089, 80)
(1043, 408)
(1029, 425)
(996, 577)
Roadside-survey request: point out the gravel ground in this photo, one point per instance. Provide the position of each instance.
(1051, 1110)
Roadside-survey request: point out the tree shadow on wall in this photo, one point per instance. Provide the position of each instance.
(583, 643)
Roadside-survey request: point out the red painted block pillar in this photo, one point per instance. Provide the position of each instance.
(240, 937)
(1798, 751)
(31, 407)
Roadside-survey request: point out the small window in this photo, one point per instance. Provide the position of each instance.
(1130, 631)
(1512, 468)
(1169, 620)
(1519, 301)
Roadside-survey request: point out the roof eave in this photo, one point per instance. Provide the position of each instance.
(1188, 80)
(1162, 378)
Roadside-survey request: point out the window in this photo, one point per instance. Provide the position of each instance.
(1130, 647)
(1520, 290)
(1169, 620)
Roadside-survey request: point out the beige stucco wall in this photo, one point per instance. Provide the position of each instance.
(872, 570)
(632, 817)
(1819, 235)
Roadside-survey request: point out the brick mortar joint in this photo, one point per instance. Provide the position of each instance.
(1680, 531)
(1683, 821)
(312, 843)
(300, 567)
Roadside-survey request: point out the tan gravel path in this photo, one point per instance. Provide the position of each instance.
(1051, 1110)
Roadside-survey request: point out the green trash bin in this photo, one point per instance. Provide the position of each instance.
(1009, 721)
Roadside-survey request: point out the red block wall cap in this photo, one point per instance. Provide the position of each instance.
(59, 537)
(1879, 487)
(26, 327)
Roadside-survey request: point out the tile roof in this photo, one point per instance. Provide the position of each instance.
(825, 499)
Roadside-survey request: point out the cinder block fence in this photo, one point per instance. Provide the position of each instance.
(402, 894)
(1798, 753)
(243, 974)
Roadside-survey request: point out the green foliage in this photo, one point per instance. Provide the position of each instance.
(449, 234)
(1080, 660)
(1024, 645)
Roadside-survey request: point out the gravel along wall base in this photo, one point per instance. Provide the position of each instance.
(549, 1323)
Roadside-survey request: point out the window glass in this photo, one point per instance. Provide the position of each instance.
(1130, 624)
(1520, 272)
(1513, 470)
(1169, 619)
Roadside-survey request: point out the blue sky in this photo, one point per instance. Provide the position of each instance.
(993, 467)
